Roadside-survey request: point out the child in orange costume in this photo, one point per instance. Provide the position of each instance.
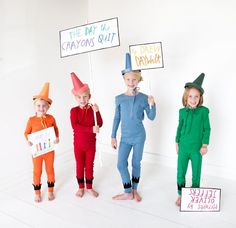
(40, 121)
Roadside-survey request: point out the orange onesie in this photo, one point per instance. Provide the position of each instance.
(36, 124)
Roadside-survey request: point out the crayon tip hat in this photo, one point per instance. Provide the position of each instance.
(79, 87)
(44, 94)
(197, 83)
(128, 65)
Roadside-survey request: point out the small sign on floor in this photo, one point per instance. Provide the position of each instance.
(200, 200)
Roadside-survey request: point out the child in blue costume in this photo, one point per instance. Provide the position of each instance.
(129, 110)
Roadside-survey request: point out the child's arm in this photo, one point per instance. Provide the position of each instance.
(179, 128)
(150, 108)
(206, 127)
(28, 131)
(98, 115)
(115, 126)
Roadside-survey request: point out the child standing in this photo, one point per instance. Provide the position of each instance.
(193, 133)
(85, 128)
(40, 121)
(129, 110)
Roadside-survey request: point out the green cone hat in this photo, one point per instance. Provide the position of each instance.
(197, 83)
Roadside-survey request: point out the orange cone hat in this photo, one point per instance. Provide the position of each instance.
(79, 87)
(44, 94)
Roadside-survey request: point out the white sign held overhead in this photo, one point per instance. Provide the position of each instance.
(146, 56)
(89, 37)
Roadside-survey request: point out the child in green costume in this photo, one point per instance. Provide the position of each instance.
(193, 133)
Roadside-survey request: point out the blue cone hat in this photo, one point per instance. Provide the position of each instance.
(128, 65)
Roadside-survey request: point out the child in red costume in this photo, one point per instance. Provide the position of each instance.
(85, 126)
(40, 121)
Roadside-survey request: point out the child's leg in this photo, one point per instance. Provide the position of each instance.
(136, 164)
(89, 163)
(196, 159)
(49, 166)
(136, 168)
(182, 166)
(122, 165)
(37, 172)
(80, 165)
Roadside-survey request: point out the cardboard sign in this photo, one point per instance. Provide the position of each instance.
(146, 56)
(43, 141)
(89, 37)
(200, 199)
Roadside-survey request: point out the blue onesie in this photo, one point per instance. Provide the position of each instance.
(130, 112)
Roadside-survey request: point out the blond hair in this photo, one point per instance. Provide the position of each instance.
(40, 99)
(137, 74)
(186, 94)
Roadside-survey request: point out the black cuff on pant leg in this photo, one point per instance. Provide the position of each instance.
(127, 185)
(89, 181)
(135, 179)
(180, 186)
(37, 187)
(80, 180)
(50, 184)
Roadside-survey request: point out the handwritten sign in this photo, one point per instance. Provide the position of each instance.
(146, 56)
(89, 37)
(43, 141)
(200, 199)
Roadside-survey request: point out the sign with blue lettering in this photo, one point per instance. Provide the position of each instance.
(146, 56)
(89, 37)
(200, 199)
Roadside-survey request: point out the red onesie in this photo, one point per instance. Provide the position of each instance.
(82, 121)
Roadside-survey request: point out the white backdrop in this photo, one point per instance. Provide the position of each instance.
(196, 36)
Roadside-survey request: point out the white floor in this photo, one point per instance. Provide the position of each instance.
(158, 188)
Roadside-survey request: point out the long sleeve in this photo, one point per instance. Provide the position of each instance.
(55, 127)
(151, 112)
(28, 129)
(179, 128)
(116, 120)
(206, 128)
(99, 119)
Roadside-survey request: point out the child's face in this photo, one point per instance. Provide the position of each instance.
(131, 80)
(82, 99)
(41, 107)
(193, 98)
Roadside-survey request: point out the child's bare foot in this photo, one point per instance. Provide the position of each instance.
(92, 192)
(37, 198)
(123, 196)
(178, 201)
(51, 196)
(137, 197)
(80, 193)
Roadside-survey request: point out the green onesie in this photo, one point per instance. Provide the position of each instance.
(193, 131)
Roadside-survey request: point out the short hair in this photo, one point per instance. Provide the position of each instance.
(185, 97)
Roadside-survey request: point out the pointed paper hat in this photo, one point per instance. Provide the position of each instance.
(197, 83)
(44, 94)
(79, 87)
(128, 65)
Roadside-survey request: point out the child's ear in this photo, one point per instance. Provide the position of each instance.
(89, 96)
